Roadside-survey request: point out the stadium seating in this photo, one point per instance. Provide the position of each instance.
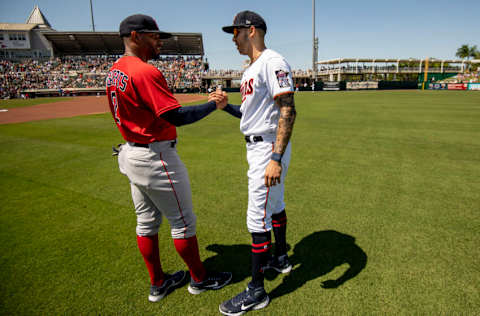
(87, 72)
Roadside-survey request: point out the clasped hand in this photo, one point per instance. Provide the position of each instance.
(220, 97)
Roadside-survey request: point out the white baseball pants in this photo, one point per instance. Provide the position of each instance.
(263, 201)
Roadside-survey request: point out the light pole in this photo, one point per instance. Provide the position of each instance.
(314, 44)
(91, 13)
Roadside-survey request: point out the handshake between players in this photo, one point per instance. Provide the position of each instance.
(220, 97)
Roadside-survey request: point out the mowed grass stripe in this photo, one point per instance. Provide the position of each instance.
(383, 186)
(15, 103)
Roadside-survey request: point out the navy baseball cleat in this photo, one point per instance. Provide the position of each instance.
(213, 281)
(280, 264)
(250, 299)
(171, 280)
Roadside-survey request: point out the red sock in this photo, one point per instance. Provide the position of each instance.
(148, 246)
(188, 250)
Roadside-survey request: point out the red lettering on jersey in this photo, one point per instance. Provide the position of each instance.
(250, 86)
(246, 88)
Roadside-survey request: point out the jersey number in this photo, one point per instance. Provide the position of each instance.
(115, 106)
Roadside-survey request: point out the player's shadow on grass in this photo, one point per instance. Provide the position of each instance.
(233, 258)
(315, 255)
(318, 254)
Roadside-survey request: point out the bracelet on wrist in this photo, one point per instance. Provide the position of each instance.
(276, 157)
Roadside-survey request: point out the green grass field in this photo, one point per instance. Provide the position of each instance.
(383, 203)
(15, 103)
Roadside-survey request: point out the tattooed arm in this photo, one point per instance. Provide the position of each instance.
(285, 126)
(285, 123)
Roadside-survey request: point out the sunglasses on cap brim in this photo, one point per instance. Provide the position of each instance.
(237, 28)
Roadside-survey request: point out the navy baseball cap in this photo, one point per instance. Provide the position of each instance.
(246, 19)
(142, 24)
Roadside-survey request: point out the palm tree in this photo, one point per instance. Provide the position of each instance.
(477, 56)
(473, 51)
(463, 51)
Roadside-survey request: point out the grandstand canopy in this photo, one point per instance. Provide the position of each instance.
(110, 43)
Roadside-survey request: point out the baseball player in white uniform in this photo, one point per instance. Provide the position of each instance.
(267, 115)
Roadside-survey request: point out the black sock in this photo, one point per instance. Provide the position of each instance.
(279, 223)
(261, 244)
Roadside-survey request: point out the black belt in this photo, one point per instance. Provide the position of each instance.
(172, 144)
(140, 145)
(255, 139)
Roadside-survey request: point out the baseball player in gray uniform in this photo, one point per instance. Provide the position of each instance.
(267, 115)
(147, 114)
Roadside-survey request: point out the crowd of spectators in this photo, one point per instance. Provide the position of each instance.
(87, 72)
(181, 72)
(229, 73)
(224, 73)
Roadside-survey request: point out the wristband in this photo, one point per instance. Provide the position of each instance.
(276, 157)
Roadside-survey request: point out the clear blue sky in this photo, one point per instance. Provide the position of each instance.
(369, 28)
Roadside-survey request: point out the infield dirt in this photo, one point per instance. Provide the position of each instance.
(74, 107)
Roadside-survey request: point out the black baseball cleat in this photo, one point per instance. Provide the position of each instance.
(213, 281)
(170, 281)
(280, 264)
(250, 299)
